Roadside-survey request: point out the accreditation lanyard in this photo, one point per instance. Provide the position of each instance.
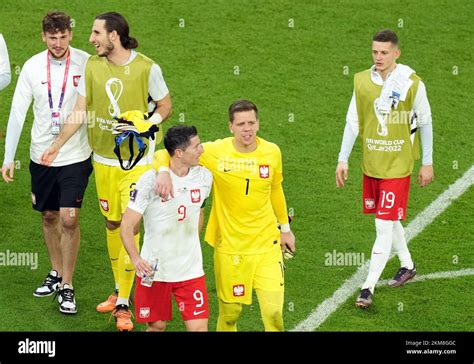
(63, 89)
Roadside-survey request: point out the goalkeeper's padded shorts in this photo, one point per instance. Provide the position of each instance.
(238, 275)
(114, 187)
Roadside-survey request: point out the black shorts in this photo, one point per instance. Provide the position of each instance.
(56, 187)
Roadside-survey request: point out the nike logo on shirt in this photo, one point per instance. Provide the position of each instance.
(44, 82)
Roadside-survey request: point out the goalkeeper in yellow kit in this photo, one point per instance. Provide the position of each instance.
(247, 204)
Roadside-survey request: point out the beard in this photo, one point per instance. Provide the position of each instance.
(60, 56)
(109, 47)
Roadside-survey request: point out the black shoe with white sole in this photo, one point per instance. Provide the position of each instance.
(365, 298)
(49, 286)
(67, 302)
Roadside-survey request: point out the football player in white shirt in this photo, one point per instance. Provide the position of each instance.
(50, 79)
(171, 253)
(5, 75)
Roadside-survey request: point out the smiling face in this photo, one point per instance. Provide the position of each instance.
(244, 127)
(101, 39)
(384, 55)
(57, 43)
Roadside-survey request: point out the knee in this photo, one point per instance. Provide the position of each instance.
(199, 325)
(272, 313)
(69, 219)
(157, 326)
(271, 309)
(230, 312)
(50, 218)
(272, 318)
(112, 225)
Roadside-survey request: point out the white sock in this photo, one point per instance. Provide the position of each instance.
(380, 252)
(400, 246)
(122, 301)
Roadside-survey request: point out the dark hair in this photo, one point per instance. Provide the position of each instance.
(241, 105)
(56, 21)
(179, 137)
(115, 21)
(386, 35)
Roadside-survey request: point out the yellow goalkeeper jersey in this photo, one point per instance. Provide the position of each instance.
(247, 196)
(242, 220)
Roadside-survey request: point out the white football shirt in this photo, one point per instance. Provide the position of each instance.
(5, 74)
(32, 86)
(171, 227)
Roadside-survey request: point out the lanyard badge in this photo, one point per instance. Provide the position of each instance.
(56, 113)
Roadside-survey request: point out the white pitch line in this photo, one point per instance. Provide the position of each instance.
(352, 284)
(436, 275)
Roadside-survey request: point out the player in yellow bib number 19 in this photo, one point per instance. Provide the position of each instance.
(247, 203)
(390, 111)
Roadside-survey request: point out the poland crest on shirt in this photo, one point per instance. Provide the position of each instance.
(264, 171)
(196, 196)
(171, 226)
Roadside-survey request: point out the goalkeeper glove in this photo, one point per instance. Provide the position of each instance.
(135, 121)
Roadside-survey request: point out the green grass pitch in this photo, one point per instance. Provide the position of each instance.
(296, 60)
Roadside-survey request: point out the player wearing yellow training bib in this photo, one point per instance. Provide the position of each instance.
(247, 204)
(115, 81)
(390, 112)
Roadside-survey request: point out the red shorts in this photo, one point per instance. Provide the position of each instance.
(386, 198)
(154, 303)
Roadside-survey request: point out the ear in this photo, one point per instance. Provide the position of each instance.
(178, 153)
(71, 35)
(398, 52)
(43, 36)
(113, 36)
(230, 127)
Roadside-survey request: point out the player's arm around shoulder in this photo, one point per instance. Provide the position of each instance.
(163, 186)
(213, 150)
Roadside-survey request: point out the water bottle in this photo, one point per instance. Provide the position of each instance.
(147, 280)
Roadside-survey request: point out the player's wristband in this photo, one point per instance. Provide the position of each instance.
(285, 228)
(156, 118)
(164, 169)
